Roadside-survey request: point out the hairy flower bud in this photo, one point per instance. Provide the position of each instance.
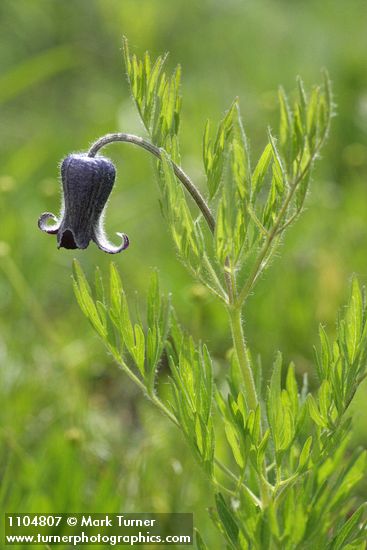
(87, 183)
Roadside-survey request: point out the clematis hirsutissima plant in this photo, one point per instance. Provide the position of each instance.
(286, 479)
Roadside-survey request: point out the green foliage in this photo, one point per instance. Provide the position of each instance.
(256, 206)
(127, 340)
(185, 231)
(214, 152)
(157, 97)
(292, 480)
(192, 387)
(289, 479)
(341, 365)
(252, 208)
(55, 378)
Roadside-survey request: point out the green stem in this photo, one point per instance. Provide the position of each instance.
(243, 356)
(250, 389)
(238, 481)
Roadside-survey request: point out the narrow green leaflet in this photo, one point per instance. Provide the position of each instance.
(85, 300)
(228, 520)
(215, 151)
(354, 321)
(285, 129)
(261, 169)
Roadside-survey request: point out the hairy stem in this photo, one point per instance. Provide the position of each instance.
(250, 389)
(180, 174)
(243, 357)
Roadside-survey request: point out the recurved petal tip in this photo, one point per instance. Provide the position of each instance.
(103, 244)
(42, 223)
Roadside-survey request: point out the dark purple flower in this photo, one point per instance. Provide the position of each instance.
(87, 183)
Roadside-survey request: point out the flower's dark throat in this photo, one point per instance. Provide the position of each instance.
(67, 240)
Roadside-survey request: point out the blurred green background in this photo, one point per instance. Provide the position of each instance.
(75, 435)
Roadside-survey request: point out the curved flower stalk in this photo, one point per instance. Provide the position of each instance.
(157, 152)
(87, 183)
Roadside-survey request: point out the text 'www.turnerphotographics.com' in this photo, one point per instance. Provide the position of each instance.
(112, 529)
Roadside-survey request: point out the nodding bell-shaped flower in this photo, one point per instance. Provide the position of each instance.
(87, 183)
